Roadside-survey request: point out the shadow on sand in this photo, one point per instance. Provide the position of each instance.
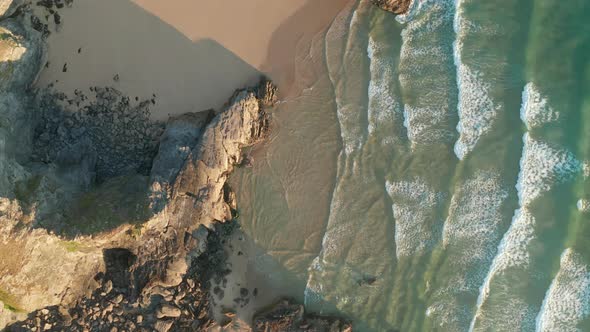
(101, 39)
(150, 56)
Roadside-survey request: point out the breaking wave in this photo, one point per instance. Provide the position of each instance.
(567, 301)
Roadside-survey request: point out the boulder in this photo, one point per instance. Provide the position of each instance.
(168, 311)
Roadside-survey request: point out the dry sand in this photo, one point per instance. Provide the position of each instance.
(191, 53)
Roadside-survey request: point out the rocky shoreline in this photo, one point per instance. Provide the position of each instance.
(153, 274)
(397, 7)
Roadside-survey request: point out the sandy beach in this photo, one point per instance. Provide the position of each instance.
(190, 54)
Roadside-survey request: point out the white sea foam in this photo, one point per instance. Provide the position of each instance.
(471, 235)
(513, 251)
(476, 109)
(420, 121)
(535, 110)
(427, 115)
(586, 169)
(314, 287)
(414, 210)
(475, 217)
(383, 109)
(567, 301)
(543, 166)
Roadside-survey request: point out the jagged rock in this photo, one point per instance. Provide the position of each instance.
(177, 141)
(163, 325)
(285, 316)
(394, 6)
(267, 93)
(198, 190)
(162, 255)
(168, 311)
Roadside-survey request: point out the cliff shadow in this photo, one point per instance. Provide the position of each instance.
(292, 41)
(100, 40)
(119, 45)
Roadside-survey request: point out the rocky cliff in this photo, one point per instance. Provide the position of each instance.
(109, 222)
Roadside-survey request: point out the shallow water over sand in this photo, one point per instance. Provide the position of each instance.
(434, 173)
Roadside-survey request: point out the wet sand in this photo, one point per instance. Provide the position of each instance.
(190, 54)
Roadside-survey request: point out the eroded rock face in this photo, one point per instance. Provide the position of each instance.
(395, 6)
(177, 141)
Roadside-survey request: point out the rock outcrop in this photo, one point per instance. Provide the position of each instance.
(181, 135)
(397, 7)
(285, 316)
(58, 158)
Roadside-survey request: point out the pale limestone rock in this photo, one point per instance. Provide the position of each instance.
(168, 311)
(7, 7)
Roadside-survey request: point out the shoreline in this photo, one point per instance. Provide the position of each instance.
(125, 243)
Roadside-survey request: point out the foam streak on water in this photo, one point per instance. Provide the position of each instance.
(384, 110)
(567, 301)
(509, 313)
(425, 76)
(542, 167)
(358, 224)
(535, 110)
(477, 111)
(471, 233)
(414, 209)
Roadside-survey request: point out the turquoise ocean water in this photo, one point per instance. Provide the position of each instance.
(434, 174)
